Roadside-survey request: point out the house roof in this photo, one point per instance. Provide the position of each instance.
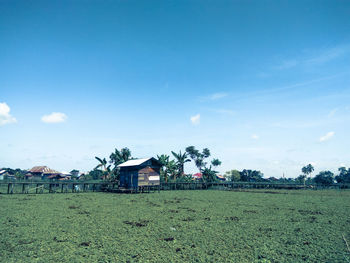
(135, 162)
(197, 175)
(2, 171)
(43, 169)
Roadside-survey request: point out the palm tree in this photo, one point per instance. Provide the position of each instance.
(106, 171)
(102, 163)
(181, 159)
(171, 169)
(163, 160)
(308, 169)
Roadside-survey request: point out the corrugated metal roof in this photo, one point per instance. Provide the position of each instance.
(43, 169)
(135, 162)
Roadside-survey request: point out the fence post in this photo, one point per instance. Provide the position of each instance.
(10, 188)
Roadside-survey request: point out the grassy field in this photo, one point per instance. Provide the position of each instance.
(176, 226)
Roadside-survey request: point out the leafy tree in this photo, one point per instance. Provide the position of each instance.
(119, 157)
(95, 174)
(215, 162)
(199, 159)
(301, 179)
(181, 159)
(248, 175)
(19, 175)
(308, 169)
(324, 178)
(344, 175)
(209, 175)
(257, 176)
(233, 175)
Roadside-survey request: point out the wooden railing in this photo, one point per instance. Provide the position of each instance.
(76, 186)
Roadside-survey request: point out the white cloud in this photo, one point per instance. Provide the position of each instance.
(327, 136)
(5, 116)
(196, 119)
(255, 137)
(54, 117)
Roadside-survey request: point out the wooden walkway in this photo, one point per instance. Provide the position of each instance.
(77, 187)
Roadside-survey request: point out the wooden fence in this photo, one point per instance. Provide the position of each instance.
(76, 187)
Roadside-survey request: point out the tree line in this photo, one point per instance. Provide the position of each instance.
(172, 166)
(322, 178)
(172, 169)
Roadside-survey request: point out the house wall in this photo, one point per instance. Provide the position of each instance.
(148, 176)
(128, 177)
(132, 177)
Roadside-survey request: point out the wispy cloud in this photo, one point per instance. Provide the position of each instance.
(332, 112)
(327, 136)
(327, 55)
(196, 119)
(55, 117)
(5, 116)
(317, 58)
(214, 96)
(287, 64)
(297, 85)
(255, 137)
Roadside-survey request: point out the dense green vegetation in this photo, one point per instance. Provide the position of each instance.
(173, 170)
(177, 226)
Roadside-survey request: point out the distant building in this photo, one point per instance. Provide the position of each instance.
(199, 176)
(43, 172)
(81, 176)
(3, 173)
(139, 172)
(64, 176)
(220, 177)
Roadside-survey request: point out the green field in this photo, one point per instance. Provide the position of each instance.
(176, 226)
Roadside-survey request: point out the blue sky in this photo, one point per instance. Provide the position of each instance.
(263, 84)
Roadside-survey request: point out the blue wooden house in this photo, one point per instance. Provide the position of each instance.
(139, 172)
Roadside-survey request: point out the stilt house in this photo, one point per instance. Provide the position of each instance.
(43, 172)
(139, 172)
